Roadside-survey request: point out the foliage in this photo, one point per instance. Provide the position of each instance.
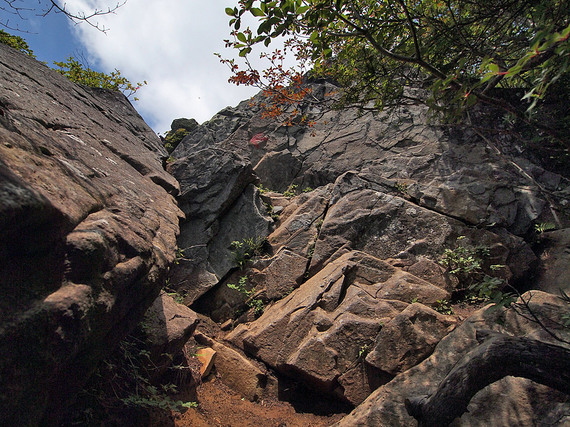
(544, 226)
(16, 42)
(179, 256)
(77, 73)
(401, 187)
(176, 296)
(363, 351)
(262, 189)
(247, 249)
(469, 265)
(255, 303)
(291, 191)
(443, 306)
(271, 211)
(173, 138)
(241, 287)
(123, 382)
(377, 50)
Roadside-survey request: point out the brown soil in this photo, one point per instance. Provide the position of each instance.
(219, 406)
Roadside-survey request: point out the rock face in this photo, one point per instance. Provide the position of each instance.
(348, 289)
(221, 206)
(167, 325)
(88, 227)
(335, 282)
(510, 401)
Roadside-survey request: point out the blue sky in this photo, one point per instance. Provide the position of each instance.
(170, 44)
(51, 38)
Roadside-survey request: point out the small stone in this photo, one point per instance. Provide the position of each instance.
(206, 356)
(227, 325)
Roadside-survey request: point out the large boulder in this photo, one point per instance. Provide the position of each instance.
(453, 172)
(393, 192)
(510, 401)
(408, 338)
(221, 206)
(320, 332)
(554, 275)
(361, 215)
(167, 326)
(88, 227)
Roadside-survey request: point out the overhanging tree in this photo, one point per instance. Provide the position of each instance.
(459, 50)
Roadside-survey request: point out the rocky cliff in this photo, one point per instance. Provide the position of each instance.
(360, 211)
(330, 236)
(88, 227)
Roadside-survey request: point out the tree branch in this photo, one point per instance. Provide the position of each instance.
(498, 356)
(412, 29)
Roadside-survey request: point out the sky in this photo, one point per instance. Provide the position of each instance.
(168, 43)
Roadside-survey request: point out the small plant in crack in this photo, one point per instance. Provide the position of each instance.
(401, 187)
(179, 256)
(443, 306)
(255, 303)
(477, 279)
(271, 212)
(262, 189)
(291, 191)
(363, 351)
(311, 250)
(247, 249)
(543, 227)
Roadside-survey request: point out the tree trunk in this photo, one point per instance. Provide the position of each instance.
(498, 356)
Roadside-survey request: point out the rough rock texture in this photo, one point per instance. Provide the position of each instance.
(455, 173)
(221, 206)
(317, 332)
(510, 401)
(206, 357)
(88, 228)
(408, 338)
(354, 265)
(238, 372)
(555, 256)
(167, 325)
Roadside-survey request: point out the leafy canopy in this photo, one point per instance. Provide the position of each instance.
(461, 50)
(16, 42)
(76, 72)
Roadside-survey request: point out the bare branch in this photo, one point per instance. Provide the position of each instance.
(45, 7)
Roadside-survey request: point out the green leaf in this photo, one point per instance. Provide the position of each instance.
(487, 77)
(244, 52)
(257, 12)
(241, 37)
(230, 11)
(492, 67)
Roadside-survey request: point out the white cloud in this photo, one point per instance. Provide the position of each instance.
(170, 44)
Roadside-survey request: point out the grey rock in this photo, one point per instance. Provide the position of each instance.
(510, 401)
(167, 325)
(88, 227)
(317, 332)
(554, 275)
